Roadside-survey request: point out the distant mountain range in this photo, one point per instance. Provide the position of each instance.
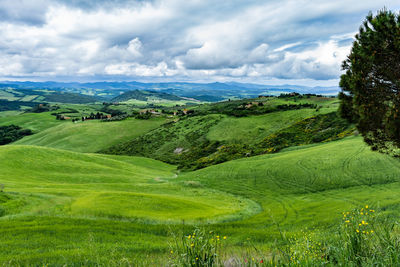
(202, 91)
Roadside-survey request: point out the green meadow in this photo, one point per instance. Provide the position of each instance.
(34, 121)
(62, 203)
(91, 136)
(77, 208)
(255, 128)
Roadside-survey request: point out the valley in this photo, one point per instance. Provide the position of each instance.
(115, 192)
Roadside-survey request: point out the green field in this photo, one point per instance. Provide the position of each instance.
(64, 204)
(308, 186)
(34, 121)
(124, 206)
(73, 191)
(255, 128)
(90, 136)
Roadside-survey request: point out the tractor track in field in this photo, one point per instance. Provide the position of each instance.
(345, 166)
(307, 170)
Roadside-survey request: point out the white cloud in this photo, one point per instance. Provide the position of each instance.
(287, 46)
(250, 40)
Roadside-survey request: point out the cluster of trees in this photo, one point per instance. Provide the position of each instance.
(370, 95)
(95, 116)
(295, 106)
(43, 108)
(297, 95)
(114, 112)
(11, 133)
(259, 109)
(62, 118)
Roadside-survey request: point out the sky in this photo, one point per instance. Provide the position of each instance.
(270, 42)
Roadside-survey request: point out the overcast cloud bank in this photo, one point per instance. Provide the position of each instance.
(200, 40)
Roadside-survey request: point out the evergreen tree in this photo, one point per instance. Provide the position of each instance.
(370, 94)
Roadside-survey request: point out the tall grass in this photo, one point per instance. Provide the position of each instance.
(363, 238)
(199, 248)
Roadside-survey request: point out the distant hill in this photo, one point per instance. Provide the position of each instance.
(30, 97)
(144, 96)
(212, 92)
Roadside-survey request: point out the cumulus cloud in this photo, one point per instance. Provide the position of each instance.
(184, 40)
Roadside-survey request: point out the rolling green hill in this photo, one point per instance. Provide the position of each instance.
(253, 129)
(305, 186)
(170, 141)
(194, 142)
(34, 121)
(63, 204)
(335, 165)
(78, 208)
(91, 136)
(72, 205)
(39, 95)
(91, 185)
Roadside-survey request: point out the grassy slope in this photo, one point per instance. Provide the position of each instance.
(197, 136)
(253, 129)
(70, 204)
(307, 187)
(91, 136)
(34, 121)
(187, 133)
(54, 191)
(9, 113)
(104, 186)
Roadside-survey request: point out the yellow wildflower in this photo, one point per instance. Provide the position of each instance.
(357, 231)
(224, 237)
(366, 207)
